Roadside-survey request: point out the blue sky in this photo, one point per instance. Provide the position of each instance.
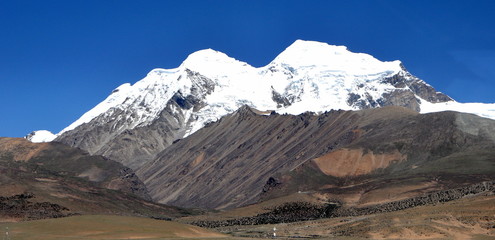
(58, 59)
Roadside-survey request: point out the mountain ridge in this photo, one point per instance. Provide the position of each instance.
(307, 76)
(246, 157)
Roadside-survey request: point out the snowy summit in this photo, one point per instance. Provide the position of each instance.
(307, 76)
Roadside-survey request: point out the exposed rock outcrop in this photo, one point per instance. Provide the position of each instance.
(113, 135)
(288, 212)
(19, 207)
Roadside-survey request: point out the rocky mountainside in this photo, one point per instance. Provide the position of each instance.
(358, 157)
(45, 180)
(137, 121)
(70, 162)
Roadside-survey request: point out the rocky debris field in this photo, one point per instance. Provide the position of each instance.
(304, 211)
(288, 212)
(20, 207)
(427, 199)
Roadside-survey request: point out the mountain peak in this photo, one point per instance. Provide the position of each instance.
(311, 54)
(213, 64)
(306, 44)
(207, 56)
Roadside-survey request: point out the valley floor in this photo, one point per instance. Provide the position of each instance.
(104, 227)
(468, 218)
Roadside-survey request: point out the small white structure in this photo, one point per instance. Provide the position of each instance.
(6, 236)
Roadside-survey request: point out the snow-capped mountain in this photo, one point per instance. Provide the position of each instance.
(137, 121)
(40, 136)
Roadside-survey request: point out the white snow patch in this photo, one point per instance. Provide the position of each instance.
(486, 110)
(41, 136)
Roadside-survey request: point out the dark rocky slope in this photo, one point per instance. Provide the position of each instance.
(131, 147)
(227, 163)
(246, 157)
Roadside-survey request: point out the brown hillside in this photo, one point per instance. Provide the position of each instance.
(46, 180)
(341, 154)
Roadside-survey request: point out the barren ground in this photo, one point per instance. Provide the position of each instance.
(467, 218)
